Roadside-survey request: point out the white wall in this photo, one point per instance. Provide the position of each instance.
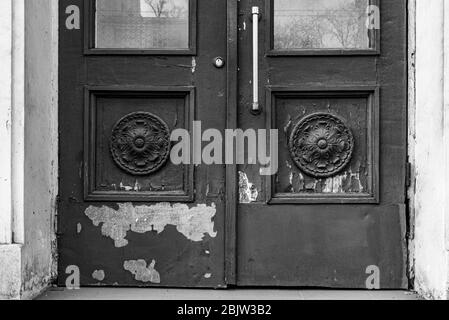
(5, 121)
(41, 144)
(29, 145)
(10, 253)
(429, 151)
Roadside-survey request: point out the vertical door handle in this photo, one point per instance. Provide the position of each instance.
(255, 17)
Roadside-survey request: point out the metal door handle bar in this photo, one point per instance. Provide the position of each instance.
(255, 16)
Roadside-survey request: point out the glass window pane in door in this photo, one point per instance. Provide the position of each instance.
(321, 24)
(142, 24)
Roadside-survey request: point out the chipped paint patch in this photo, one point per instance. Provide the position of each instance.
(333, 185)
(98, 275)
(126, 188)
(194, 223)
(137, 187)
(248, 192)
(208, 275)
(347, 182)
(141, 272)
(291, 176)
(79, 228)
(193, 65)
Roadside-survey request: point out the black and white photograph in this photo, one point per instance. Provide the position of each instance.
(226, 156)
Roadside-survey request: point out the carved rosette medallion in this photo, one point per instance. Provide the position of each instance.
(140, 143)
(321, 145)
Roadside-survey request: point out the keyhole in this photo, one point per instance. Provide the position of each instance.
(219, 62)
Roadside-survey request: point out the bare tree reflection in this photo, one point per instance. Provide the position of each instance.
(341, 27)
(167, 9)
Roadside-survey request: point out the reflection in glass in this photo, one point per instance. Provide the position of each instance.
(321, 24)
(142, 24)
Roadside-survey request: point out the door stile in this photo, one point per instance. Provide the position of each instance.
(231, 123)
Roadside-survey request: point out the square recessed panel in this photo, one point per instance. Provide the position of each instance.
(128, 145)
(328, 146)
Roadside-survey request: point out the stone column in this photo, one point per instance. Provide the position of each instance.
(10, 251)
(429, 147)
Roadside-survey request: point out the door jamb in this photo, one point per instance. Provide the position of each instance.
(231, 123)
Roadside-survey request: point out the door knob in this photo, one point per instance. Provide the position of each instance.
(219, 62)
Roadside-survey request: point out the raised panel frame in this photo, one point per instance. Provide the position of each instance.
(89, 36)
(91, 93)
(372, 94)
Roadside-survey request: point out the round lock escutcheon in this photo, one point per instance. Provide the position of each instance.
(219, 62)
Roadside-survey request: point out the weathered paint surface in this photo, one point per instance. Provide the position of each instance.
(355, 179)
(346, 182)
(429, 150)
(186, 87)
(247, 191)
(296, 240)
(141, 272)
(40, 167)
(193, 65)
(98, 275)
(5, 120)
(194, 223)
(10, 276)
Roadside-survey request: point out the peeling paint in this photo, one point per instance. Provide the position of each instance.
(193, 65)
(98, 275)
(194, 223)
(290, 179)
(141, 272)
(79, 228)
(333, 185)
(248, 192)
(311, 185)
(208, 275)
(288, 126)
(291, 176)
(301, 184)
(126, 188)
(137, 187)
(346, 182)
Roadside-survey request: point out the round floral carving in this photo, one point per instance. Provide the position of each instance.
(321, 145)
(140, 143)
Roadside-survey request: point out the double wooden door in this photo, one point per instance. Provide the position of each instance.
(141, 79)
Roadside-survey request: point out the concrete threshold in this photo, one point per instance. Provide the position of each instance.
(232, 294)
